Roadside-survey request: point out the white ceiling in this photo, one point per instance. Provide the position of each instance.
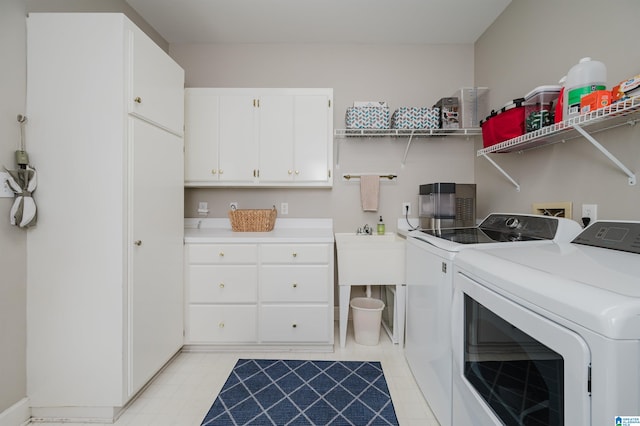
(320, 21)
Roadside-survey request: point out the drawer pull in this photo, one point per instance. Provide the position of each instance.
(137, 100)
(221, 254)
(295, 285)
(294, 254)
(290, 172)
(214, 171)
(138, 242)
(221, 285)
(297, 172)
(294, 325)
(221, 325)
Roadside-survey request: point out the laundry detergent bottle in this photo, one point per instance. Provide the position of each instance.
(583, 78)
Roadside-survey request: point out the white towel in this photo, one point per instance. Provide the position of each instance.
(369, 192)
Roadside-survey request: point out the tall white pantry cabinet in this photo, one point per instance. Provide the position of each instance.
(104, 267)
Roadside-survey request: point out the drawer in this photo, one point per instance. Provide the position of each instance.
(306, 283)
(281, 323)
(295, 253)
(223, 284)
(220, 254)
(222, 324)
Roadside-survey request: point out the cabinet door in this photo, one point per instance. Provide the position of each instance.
(201, 136)
(276, 138)
(157, 84)
(238, 149)
(155, 250)
(313, 139)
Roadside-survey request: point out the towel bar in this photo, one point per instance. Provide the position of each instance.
(389, 176)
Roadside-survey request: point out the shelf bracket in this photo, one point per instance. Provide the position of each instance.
(406, 151)
(501, 170)
(610, 156)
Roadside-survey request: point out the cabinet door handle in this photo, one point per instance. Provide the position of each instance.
(220, 171)
(137, 100)
(221, 254)
(297, 172)
(221, 325)
(294, 254)
(138, 242)
(290, 171)
(213, 171)
(295, 285)
(294, 325)
(221, 285)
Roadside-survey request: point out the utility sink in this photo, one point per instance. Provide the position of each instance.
(370, 259)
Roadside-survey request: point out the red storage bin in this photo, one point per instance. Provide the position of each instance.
(508, 123)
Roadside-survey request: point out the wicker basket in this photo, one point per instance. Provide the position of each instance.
(253, 220)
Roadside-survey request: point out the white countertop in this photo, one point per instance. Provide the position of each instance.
(201, 231)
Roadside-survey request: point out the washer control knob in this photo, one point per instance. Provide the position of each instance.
(512, 222)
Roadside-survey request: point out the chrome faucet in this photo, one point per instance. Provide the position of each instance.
(365, 230)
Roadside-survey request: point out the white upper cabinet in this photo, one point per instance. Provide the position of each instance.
(259, 137)
(201, 123)
(157, 84)
(237, 143)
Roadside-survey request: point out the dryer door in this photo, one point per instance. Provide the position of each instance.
(513, 366)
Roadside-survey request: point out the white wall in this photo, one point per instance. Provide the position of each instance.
(535, 43)
(12, 240)
(402, 75)
(102, 6)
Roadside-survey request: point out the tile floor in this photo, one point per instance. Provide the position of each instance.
(182, 394)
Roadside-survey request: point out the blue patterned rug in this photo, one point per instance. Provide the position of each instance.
(298, 392)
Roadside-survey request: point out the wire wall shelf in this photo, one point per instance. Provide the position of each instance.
(618, 114)
(621, 113)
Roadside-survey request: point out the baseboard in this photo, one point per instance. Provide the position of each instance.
(18, 414)
(84, 415)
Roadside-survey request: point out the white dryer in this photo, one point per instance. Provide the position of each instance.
(549, 334)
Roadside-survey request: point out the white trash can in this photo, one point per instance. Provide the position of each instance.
(367, 315)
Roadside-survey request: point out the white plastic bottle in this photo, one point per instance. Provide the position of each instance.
(583, 78)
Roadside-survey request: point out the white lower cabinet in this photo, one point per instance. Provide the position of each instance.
(259, 294)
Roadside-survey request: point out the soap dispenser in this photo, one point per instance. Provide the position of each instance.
(380, 227)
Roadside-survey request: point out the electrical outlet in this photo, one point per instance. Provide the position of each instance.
(5, 190)
(590, 211)
(203, 208)
(233, 205)
(284, 208)
(406, 209)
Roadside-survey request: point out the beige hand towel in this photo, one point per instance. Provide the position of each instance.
(369, 192)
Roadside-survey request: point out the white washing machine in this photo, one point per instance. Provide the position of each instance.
(429, 277)
(549, 334)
